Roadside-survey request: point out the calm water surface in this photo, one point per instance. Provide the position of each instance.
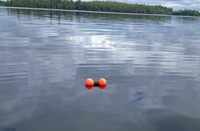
(151, 64)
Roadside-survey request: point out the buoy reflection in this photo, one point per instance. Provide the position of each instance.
(89, 87)
(102, 86)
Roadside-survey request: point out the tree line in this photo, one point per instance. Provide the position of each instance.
(1, 2)
(106, 6)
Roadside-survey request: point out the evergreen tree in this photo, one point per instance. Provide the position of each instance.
(1, 2)
(107, 6)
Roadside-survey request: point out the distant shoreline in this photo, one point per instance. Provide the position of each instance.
(94, 11)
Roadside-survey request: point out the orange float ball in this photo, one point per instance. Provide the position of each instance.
(89, 81)
(102, 81)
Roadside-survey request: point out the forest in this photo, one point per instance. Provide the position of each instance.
(1, 2)
(105, 6)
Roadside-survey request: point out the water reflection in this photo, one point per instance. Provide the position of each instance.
(89, 87)
(151, 64)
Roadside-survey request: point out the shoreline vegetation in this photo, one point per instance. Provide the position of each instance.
(1, 3)
(99, 6)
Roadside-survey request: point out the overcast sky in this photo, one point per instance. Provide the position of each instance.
(175, 4)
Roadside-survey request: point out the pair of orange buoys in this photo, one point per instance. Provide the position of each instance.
(89, 83)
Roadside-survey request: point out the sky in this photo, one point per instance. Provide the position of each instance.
(175, 4)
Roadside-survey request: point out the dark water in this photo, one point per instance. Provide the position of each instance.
(151, 64)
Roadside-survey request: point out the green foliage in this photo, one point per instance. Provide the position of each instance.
(187, 12)
(56, 4)
(100, 6)
(1, 2)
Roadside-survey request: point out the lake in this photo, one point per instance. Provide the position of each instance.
(151, 64)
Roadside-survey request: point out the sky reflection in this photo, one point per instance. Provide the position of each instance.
(151, 64)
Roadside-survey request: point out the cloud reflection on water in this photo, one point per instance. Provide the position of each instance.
(144, 58)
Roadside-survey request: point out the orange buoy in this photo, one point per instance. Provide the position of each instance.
(89, 81)
(102, 86)
(89, 87)
(102, 81)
